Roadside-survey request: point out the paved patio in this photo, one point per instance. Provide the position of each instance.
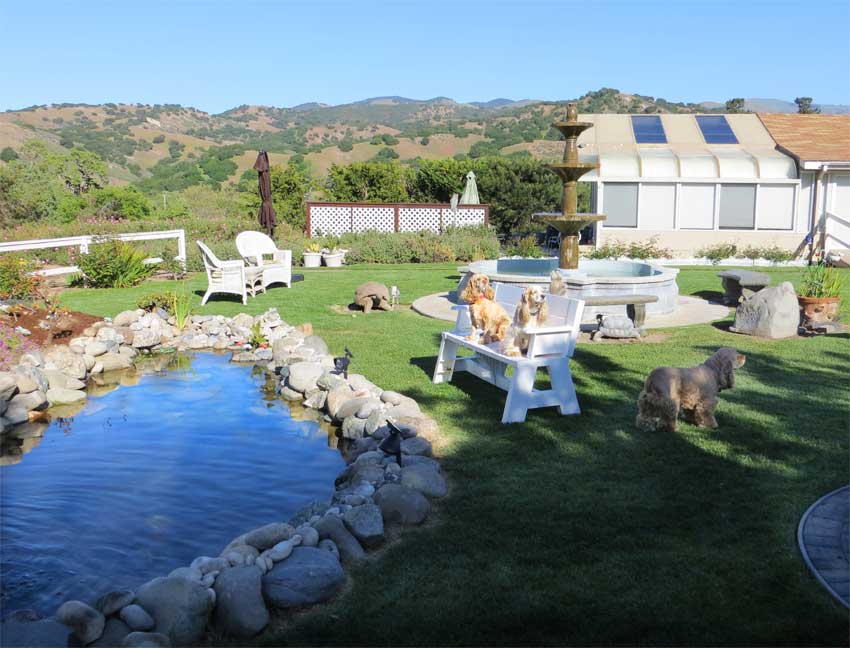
(690, 310)
(824, 539)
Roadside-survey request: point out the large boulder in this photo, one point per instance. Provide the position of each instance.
(113, 601)
(401, 504)
(85, 622)
(127, 317)
(179, 607)
(137, 618)
(113, 635)
(146, 338)
(114, 361)
(337, 397)
(62, 358)
(240, 610)
(303, 375)
(9, 385)
(62, 396)
(310, 575)
(317, 344)
(770, 313)
(425, 479)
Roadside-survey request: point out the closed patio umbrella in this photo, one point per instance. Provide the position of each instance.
(470, 191)
(266, 215)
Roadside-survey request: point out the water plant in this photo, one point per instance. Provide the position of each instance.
(257, 338)
(181, 307)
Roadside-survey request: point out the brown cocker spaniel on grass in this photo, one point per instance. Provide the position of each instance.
(692, 392)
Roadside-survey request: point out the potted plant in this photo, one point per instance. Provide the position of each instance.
(820, 294)
(333, 258)
(312, 255)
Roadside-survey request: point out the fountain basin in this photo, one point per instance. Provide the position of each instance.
(592, 278)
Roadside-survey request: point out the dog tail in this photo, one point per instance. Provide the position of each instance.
(655, 412)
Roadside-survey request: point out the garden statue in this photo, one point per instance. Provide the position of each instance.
(372, 295)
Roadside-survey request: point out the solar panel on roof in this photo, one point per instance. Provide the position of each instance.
(648, 129)
(716, 130)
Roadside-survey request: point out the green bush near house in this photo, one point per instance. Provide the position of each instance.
(717, 253)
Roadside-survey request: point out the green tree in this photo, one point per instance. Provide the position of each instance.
(346, 144)
(385, 154)
(290, 185)
(159, 139)
(735, 105)
(121, 203)
(804, 106)
(367, 182)
(389, 139)
(8, 154)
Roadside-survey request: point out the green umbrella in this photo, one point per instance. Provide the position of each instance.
(470, 191)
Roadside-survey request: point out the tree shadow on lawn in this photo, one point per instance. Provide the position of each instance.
(640, 529)
(584, 530)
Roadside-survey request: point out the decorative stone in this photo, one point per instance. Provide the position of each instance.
(425, 479)
(291, 394)
(26, 384)
(331, 526)
(240, 610)
(179, 607)
(407, 408)
(127, 317)
(310, 575)
(309, 536)
(391, 397)
(353, 427)
(359, 382)
(337, 397)
(317, 344)
(113, 601)
(366, 524)
(189, 573)
(57, 380)
(113, 634)
(281, 551)
(146, 338)
(771, 312)
(61, 396)
(314, 509)
(114, 361)
(96, 348)
(146, 640)
(316, 399)
(401, 505)
(303, 376)
(205, 564)
(136, 618)
(33, 401)
(350, 407)
(269, 535)
(371, 405)
(9, 385)
(416, 446)
(85, 622)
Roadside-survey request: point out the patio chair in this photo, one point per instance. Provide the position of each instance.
(253, 246)
(231, 277)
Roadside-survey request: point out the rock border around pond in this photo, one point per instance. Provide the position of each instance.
(282, 565)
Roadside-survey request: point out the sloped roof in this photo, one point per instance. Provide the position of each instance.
(686, 154)
(809, 138)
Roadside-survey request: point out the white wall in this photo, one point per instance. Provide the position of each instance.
(837, 210)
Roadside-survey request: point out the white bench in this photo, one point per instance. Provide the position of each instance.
(551, 346)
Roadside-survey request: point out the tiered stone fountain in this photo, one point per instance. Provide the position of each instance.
(569, 222)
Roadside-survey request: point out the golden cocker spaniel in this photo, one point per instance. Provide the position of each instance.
(485, 314)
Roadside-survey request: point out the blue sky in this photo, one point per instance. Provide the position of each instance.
(215, 55)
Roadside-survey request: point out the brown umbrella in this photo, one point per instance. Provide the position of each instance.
(266, 215)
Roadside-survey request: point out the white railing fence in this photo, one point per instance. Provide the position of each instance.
(83, 242)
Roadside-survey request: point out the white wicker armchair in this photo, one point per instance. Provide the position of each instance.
(231, 277)
(253, 246)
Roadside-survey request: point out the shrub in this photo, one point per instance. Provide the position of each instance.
(122, 202)
(750, 252)
(776, 254)
(643, 250)
(152, 301)
(158, 139)
(8, 154)
(16, 278)
(524, 247)
(717, 252)
(114, 264)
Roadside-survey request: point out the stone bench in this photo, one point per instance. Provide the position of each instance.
(635, 305)
(741, 284)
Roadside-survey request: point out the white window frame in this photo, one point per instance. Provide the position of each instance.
(678, 182)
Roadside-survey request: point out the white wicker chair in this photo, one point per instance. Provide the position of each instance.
(231, 277)
(253, 246)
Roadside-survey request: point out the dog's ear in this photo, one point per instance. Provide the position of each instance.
(740, 360)
(725, 361)
(523, 312)
(489, 293)
(543, 314)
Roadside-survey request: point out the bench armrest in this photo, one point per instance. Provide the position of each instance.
(548, 330)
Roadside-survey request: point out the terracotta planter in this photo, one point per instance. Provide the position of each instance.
(818, 309)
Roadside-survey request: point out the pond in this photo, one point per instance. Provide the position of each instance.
(146, 478)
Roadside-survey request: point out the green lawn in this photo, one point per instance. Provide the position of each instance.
(583, 530)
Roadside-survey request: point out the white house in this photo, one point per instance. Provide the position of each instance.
(695, 180)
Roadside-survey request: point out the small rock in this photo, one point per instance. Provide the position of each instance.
(309, 536)
(329, 381)
(85, 622)
(113, 634)
(425, 479)
(189, 573)
(337, 397)
(269, 535)
(61, 396)
(113, 361)
(281, 551)
(205, 564)
(366, 524)
(391, 397)
(353, 427)
(303, 376)
(127, 317)
(317, 344)
(349, 548)
(146, 640)
(416, 446)
(33, 401)
(136, 618)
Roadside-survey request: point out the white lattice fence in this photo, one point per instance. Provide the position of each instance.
(339, 218)
(377, 217)
(330, 219)
(416, 219)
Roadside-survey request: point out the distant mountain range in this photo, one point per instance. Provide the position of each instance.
(141, 142)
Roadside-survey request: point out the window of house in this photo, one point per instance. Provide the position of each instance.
(716, 130)
(620, 203)
(648, 129)
(737, 206)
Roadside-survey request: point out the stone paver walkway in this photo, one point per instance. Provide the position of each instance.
(824, 539)
(690, 310)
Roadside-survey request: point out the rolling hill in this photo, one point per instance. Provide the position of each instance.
(140, 141)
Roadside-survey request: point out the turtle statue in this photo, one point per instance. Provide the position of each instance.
(372, 295)
(616, 326)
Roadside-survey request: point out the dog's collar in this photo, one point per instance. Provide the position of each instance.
(481, 298)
